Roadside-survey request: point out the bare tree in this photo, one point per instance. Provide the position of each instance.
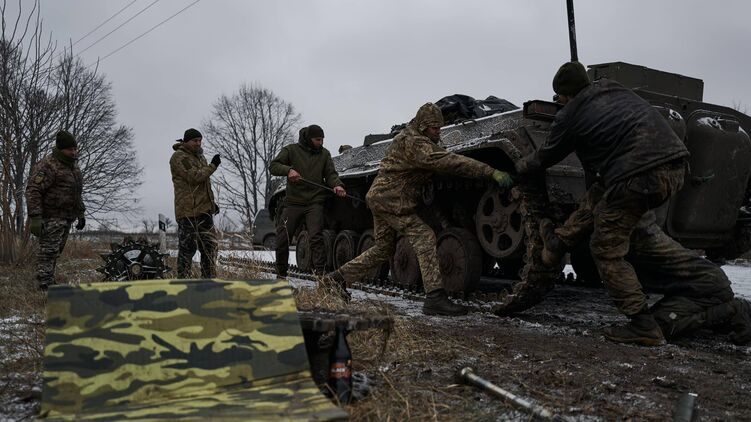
(40, 93)
(27, 114)
(111, 174)
(248, 129)
(738, 106)
(148, 225)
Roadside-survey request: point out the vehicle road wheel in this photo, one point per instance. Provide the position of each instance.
(302, 251)
(345, 247)
(269, 242)
(498, 221)
(460, 258)
(381, 272)
(405, 270)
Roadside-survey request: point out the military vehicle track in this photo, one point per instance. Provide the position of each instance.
(497, 294)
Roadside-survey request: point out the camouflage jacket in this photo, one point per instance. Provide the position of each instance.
(409, 164)
(190, 177)
(314, 165)
(55, 188)
(614, 132)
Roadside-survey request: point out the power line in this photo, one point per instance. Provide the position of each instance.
(104, 23)
(149, 30)
(118, 27)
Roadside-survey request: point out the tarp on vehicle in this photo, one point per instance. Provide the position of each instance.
(178, 350)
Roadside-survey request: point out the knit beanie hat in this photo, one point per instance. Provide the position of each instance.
(570, 79)
(191, 134)
(315, 131)
(64, 140)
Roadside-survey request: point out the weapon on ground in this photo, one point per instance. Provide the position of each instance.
(318, 185)
(467, 376)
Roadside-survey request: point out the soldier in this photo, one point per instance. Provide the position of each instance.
(697, 293)
(308, 160)
(194, 204)
(410, 162)
(640, 163)
(54, 200)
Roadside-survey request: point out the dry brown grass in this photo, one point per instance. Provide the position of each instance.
(83, 249)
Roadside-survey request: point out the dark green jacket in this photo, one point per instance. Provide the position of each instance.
(314, 165)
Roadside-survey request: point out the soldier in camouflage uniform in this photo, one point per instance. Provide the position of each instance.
(640, 163)
(697, 293)
(410, 162)
(303, 203)
(194, 204)
(54, 200)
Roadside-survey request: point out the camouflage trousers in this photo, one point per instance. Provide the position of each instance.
(288, 224)
(697, 293)
(610, 216)
(386, 227)
(196, 233)
(51, 243)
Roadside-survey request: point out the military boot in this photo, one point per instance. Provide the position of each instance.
(554, 249)
(335, 280)
(642, 330)
(281, 271)
(741, 322)
(438, 303)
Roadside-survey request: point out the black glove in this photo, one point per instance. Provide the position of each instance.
(216, 160)
(81, 223)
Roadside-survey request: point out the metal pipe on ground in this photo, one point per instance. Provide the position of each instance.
(685, 410)
(467, 376)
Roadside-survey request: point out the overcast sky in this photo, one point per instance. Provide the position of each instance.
(357, 67)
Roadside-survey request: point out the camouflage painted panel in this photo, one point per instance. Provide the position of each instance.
(296, 400)
(147, 342)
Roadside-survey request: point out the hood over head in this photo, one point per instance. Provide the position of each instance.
(429, 115)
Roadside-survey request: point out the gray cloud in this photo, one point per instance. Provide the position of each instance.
(358, 67)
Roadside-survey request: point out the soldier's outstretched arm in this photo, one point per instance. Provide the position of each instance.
(424, 154)
(559, 144)
(192, 173)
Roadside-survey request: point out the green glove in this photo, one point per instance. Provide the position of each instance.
(35, 226)
(503, 179)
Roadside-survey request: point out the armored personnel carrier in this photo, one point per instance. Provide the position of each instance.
(484, 234)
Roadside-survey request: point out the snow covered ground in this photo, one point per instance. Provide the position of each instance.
(739, 275)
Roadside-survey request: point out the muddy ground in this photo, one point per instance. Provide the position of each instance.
(553, 355)
(556, 356)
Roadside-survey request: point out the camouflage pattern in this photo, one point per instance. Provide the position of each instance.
(55, 188)
(386, 227)
(411, 161)
(178, 350)
(697, 293)
(288, 224)
(51, 244)
(196, 234)
(615, 217)
(190, 177)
